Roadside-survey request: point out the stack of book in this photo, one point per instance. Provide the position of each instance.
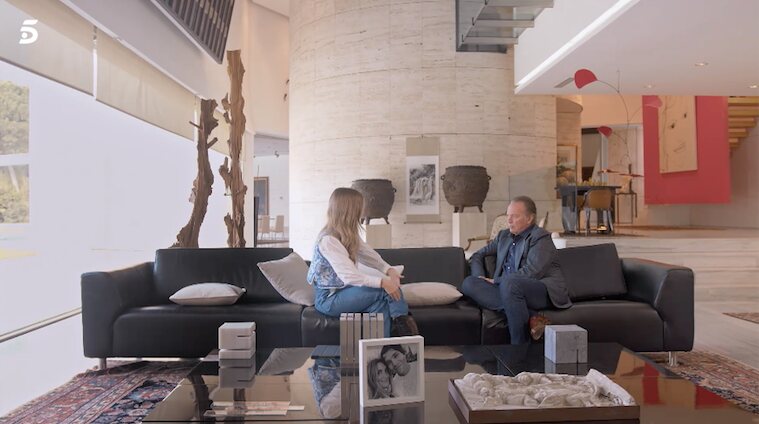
(354, 327)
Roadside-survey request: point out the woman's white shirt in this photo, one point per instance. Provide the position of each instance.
(347, 270)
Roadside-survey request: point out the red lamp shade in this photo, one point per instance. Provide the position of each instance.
(606, 131)
(653, 101)
(584, 77)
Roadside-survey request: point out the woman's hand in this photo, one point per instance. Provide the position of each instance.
(392, 285)
(392, 272)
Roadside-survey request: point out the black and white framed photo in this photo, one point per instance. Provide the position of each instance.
(391, 371)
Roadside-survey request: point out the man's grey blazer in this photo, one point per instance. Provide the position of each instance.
(538, 259)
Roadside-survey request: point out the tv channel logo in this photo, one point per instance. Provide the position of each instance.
(29, 33)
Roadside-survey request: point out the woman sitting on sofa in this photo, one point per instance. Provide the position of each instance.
(340, 286)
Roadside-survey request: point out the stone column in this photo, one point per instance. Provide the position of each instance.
(365, 75)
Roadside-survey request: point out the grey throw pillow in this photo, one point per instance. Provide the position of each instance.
(207, 294)
(288, 277)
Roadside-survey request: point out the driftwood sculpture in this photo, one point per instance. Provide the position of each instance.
(202, 186)
(233, 105)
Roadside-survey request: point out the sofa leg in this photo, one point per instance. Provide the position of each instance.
(672, 361)
(103, 363)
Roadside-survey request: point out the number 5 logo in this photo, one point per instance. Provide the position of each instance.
(29, 33)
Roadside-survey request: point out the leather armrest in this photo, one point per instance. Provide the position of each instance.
(105, 296)
(669, 290)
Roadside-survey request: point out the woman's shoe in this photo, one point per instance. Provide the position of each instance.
(403, 325)
(538, 325)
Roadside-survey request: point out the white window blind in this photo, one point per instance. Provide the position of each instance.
(128, 83)
(63, 48)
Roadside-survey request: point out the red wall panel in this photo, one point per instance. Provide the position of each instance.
(711, 182)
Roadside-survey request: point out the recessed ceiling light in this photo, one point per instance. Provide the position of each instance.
(702, 63)
(648, 86)
(753, 86)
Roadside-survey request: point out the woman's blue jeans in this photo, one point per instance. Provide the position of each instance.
(360, 299)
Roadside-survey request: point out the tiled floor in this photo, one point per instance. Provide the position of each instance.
(728, 336)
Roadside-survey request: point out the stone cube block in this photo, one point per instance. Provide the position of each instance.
(566, 344)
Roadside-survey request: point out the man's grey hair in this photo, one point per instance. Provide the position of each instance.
(528, 203)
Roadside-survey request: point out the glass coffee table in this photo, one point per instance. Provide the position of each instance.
(319, 391)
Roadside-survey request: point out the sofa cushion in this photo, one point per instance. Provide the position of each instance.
(592, 272)
(443, 264)
(635, 325)
(193, 331)
(454, 324)
(177, 268)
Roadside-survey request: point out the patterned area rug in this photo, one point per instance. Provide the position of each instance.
(746, 316)
(121, 394)
(729, 379)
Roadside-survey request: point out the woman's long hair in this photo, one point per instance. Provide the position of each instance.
(343, 215)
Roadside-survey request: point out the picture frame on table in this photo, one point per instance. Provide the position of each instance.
(401, 413)
(391, 371)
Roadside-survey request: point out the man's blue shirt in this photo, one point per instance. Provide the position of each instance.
(511, 263)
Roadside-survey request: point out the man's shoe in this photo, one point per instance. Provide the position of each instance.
(538, 325)
(404, 325)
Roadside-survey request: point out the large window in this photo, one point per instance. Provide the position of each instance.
(14, 149)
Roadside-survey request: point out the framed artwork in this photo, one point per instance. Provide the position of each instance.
(261, 190)
(391, 371)
(423, 179)
(566, 165)
(677, 134)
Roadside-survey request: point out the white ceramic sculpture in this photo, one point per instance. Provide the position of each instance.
(536, 390)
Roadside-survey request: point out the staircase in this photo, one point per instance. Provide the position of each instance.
(742, 114)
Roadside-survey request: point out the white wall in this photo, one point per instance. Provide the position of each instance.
(267, 69)
(743, 209)
(609, 109)
(277, 169)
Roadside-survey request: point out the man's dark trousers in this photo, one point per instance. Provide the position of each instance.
(514, 295)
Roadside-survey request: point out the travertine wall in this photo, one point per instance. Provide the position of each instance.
(365, 75)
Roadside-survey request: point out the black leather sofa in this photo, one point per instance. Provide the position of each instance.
(127, 313)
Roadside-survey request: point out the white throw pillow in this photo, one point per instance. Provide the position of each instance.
(430, 294)
(288, 277)
(207, 294)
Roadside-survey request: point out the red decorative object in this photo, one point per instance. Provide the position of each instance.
(606, 131)
(584, 77)
(652, 101)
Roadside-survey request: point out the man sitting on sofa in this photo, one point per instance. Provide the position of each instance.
(527, 277)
